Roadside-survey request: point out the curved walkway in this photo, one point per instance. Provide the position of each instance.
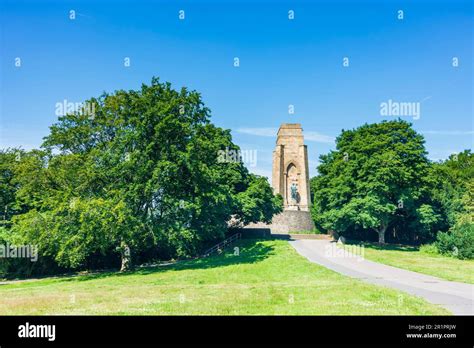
(454, 296)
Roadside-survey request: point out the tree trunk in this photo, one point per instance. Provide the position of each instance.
(126, 257)
(381, 232)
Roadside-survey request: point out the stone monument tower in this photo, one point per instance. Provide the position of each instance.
(290, 176)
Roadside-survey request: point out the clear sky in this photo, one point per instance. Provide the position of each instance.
(283, 62)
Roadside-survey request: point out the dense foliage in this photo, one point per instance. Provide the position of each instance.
(459, 242)
(137, 180)
(378, 183)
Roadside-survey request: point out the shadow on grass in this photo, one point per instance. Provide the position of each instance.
(250, 251)
(376, 246)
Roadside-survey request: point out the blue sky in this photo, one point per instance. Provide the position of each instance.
(283, 62)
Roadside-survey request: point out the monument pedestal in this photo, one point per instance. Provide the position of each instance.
(292, 221)
(292, 207)
(289, 221)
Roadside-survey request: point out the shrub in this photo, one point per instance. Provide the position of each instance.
(444, 243)
(430, 249)
(459, 242)
(463, 236)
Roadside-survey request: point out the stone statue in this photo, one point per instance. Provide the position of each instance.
(293, 191)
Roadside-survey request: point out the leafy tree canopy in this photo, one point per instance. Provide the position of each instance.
(141, 173)
(375, 177)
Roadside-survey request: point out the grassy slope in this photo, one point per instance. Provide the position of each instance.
(412, 259)
(268, 277)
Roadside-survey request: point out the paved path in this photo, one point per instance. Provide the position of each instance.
(456, 297)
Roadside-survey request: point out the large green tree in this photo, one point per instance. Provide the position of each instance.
(374, 178)
(140, 173)
(9, 159)
(452, 183)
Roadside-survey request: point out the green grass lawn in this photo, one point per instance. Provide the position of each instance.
(412, 259)
(268, 277)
